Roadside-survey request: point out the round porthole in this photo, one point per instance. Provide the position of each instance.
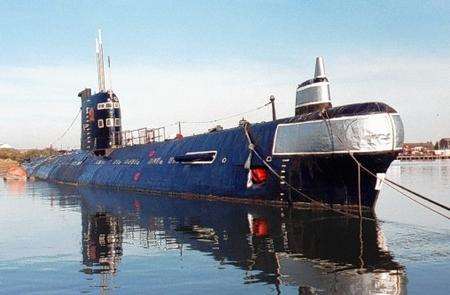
(268, 159)
(224, 160)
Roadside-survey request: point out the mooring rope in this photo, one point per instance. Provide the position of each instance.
(252, 148)
(396, 189)
(68, 129)
(388, 182)
(419, 195)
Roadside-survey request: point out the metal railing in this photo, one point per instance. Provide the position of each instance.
(142, 136)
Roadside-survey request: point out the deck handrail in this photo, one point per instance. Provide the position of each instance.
(142, 136)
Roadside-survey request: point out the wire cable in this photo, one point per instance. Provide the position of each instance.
(396, 189)
(419, 195)
(388, 181)
(227, 117)
(68, 129)
(252, 147)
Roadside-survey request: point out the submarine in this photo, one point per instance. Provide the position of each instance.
(312, 158)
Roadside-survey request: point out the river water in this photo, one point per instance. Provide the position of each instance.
(59, 239)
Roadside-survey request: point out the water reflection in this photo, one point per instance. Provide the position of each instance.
(15, 187)
(316, 252)
(102, 242)
(437, 170)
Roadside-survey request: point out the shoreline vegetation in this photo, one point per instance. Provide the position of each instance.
(12, 158)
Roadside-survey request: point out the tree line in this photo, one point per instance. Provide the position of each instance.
(20, 156)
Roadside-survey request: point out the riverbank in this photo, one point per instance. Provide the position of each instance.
(10, 160)
(22, 155)
(6, 165)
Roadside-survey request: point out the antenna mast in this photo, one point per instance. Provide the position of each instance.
(109, 73)
(100, 62)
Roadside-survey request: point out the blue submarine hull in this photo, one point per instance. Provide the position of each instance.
(327, 177)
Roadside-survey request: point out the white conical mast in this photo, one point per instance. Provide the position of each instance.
(320, 68)
(100, 62)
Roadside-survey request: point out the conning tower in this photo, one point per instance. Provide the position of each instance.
(314, 94)
(101, 128)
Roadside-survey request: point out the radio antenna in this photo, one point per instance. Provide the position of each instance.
(109, 73)
(100, 62)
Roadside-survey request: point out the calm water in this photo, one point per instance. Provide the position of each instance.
(57, 239)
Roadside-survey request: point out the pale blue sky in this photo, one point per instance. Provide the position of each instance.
(195, 60)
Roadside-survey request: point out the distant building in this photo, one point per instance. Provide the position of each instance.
(416, 145)
(5, 146)
(417, 148)
(444, 144)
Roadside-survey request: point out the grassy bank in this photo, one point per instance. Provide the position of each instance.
(20, 156)
(12, 158)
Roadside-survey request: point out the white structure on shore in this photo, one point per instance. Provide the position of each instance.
(5, 146)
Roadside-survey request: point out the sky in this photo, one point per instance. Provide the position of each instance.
(201, 60)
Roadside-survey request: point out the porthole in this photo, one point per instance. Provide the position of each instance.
(109, 122)
(224, 160)
(268, 159)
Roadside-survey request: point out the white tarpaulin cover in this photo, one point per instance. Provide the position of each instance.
(366, 133)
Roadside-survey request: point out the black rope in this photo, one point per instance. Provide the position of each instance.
(419, 195)
(68, 128)
(391, 181)
(252, 148)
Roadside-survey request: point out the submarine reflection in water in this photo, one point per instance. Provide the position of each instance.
(316, 251)
(102, 242)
